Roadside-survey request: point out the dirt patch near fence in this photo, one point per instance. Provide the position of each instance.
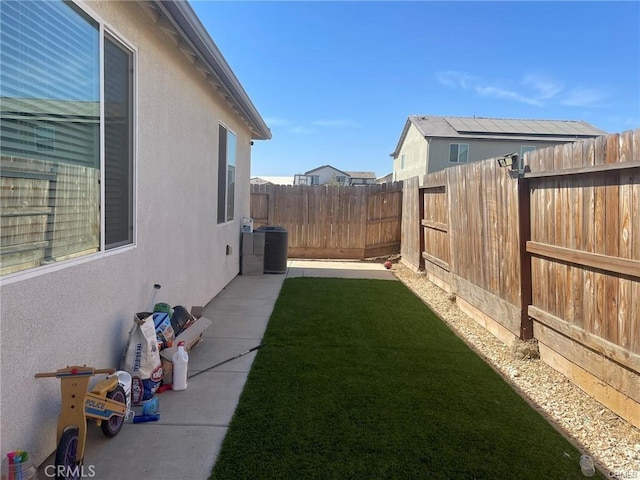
(611, 441)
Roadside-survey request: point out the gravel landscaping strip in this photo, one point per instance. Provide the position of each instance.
(613, 443)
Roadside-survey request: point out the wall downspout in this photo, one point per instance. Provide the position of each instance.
(426, 172)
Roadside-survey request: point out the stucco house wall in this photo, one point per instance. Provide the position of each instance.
(80, 311)
(415, 150)
(478, 150)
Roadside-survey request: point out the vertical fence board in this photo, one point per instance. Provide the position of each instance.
(612, 244)
(588, 229)
(410, 245)
(634, 331)
(625, 285)
(513, 243)
(559, 233)
(599, 239)
(567, 189)
(550, 214)
(537, 228)
(451, 192)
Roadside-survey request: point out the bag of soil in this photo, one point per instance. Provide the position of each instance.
(142, 359)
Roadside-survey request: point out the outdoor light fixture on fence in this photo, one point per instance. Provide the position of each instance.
(510, 160)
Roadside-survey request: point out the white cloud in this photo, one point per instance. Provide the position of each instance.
(489, 91)
(302, 129)
(545, 87)
(583, 97)
(276, 121)
(454, 79)
(535, 89)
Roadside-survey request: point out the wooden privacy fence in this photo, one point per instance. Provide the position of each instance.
(553, 253)
(332, 221)
(585, 264)
(49, 212)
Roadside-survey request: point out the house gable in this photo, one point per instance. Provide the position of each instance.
(323, 175)
(361, 178)
(475, 138)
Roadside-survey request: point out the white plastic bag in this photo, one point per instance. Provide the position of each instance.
(142, 359)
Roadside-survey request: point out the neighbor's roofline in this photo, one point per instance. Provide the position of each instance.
(479, 135)
(396, 152)
(323, 166)
(196, 43)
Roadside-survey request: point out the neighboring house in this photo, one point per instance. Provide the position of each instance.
(271, 180)
(124, 162)
(327, 174)
(321, 176)
(361, 178)
(385, 179)
(431, 143)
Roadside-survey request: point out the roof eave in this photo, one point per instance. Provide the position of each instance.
(199, 47)
(532, 137)
(396, 152)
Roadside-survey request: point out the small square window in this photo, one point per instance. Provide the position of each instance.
(459, 152)
(45, 138)
(526, 148)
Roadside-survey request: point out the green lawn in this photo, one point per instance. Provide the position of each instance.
(359, 379)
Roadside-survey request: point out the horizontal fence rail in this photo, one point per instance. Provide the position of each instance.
(552, 253)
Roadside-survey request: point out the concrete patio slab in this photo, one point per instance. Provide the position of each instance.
(185, 442)
(238, 307)
(211, 400)
(149, 451)
(215, 350)
(338, 269)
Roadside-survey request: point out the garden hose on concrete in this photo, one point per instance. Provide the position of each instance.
(227, 360)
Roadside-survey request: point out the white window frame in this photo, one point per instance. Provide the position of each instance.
(104, 27)
(46, 134)
(530, 148)
(224, 204)
(458, 156)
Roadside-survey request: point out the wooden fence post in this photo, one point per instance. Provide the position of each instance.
(411, 224)
(526, 293)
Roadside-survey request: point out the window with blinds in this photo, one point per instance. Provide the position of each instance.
(52, 133)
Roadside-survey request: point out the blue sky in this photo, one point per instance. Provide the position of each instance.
(336, 81)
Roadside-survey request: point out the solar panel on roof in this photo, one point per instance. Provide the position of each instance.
(522, 127)
(570, 129)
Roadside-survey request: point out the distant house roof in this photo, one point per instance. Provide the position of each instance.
(39, 108)
(385, 178)
(361, 174)
(309, 172)
(178, 20)
(432, 126)
(272, 180)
